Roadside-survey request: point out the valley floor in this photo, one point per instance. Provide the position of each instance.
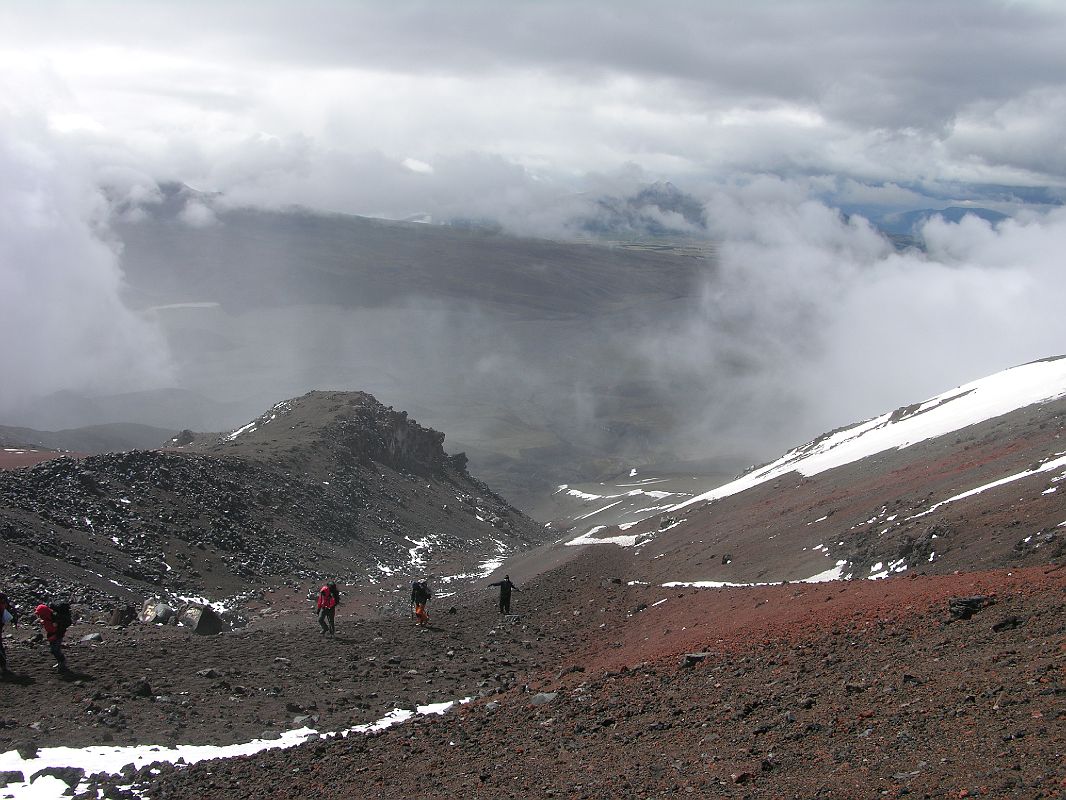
(842, 690)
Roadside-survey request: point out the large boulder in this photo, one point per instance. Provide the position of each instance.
(155, 610)
(122, 616)
(201, 619)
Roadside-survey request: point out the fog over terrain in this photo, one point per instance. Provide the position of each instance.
(798, 131)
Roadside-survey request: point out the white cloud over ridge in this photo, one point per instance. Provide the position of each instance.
(525, 114)
(64, 323)
(263, 105)
(837, 325)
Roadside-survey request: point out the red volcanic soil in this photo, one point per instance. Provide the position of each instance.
(16, 457)
(842, 690)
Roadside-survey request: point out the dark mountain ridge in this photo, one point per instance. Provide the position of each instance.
(332, 484)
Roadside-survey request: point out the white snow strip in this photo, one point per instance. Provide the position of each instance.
(647, 511)
(112, 759)
(1045, 467)
(621, 541)
(975, 402)
(833, 574)
(416, 556)
(597, 511)
(583, 495)
(244, 429)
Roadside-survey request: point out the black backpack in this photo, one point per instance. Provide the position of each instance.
(61, 617)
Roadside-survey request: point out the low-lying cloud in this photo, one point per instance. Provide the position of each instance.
(814, 320)
(64, 323)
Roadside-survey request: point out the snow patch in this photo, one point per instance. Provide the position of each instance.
(112, 760)
(1029, 384)
(1045, 467)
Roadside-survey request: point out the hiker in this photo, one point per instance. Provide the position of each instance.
(420, 595)
(328, 598)
(55, 620)
(8, 613)
(505, 593)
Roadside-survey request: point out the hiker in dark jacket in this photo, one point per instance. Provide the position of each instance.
(505, 593)
(8, 613)
(420, 595)
(328, 598)
(55, 625)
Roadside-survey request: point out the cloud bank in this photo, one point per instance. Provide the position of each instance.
(813, 320)
(525, 116)
(64, 323)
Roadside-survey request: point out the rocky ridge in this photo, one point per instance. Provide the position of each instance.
(344, 487)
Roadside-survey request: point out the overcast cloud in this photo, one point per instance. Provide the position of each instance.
(772, 113)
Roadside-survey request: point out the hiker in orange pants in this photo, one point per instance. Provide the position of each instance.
(420, 595)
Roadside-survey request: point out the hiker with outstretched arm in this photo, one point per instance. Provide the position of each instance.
(505, 593)
(8, 613)
(55, 620)
(420, 595)
(328, 598)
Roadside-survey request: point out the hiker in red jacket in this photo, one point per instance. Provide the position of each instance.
(8, 613)
(55, 622)
(328, 597)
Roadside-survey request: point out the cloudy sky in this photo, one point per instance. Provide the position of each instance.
(772, 113)
(395, 108)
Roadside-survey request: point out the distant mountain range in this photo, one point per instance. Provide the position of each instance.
(655, 211)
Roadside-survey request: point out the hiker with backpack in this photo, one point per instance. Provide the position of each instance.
(505, 593)
(8, 613)
(420, 595)
(55, 619)
(328, 598)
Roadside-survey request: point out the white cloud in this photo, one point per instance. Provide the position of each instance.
(812, 321)
(64, 325)
(198, 215)
(899, 93)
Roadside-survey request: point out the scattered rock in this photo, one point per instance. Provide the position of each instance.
(10, 776)
(962, 608)
(201, 619)
(155, 611)
(122, 616)
(141, 688)
(692, 659)
(1006, 624)
(71, 776)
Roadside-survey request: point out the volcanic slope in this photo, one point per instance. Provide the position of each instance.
(655, 662)
(970, 479)
(331, 484)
